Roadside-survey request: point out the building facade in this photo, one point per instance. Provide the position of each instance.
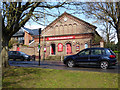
(19, 36)
(66, 35)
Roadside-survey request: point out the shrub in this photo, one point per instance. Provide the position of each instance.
(116, 51)
(11, 42)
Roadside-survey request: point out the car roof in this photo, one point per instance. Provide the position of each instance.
(13, 51)
(97, 48)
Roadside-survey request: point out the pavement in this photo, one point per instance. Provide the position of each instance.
(60, 66)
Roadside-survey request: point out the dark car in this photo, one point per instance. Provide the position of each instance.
(103, 57)
(18, 55)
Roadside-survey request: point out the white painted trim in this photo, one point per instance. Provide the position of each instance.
(31, 42)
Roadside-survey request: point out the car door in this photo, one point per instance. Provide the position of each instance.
(13, 55)
(10, 54)
(95, 56)
(17, 55)
(83, 57)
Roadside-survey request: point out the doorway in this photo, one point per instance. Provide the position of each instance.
(52, 49)
(68, 48)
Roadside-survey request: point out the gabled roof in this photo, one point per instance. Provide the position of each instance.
(20, 33)
(32, 32)
(35, 32)
(73, 17)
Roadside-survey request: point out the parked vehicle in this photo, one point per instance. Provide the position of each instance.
(18, 55)
(103, 57)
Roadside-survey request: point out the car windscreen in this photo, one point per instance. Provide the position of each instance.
(12, 52)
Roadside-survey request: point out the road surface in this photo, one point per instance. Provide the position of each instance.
(59, 65)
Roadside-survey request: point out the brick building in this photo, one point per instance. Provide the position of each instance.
(64, 36)
(19, 36)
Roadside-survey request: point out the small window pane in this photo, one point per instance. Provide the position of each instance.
(84, 52)
(103, 52)
(96, 52)
(10, 53)
(86, 45)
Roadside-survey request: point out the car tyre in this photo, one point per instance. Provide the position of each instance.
(22, 58)
(28, 59)
(70, 63)
(14, 59)
(104, 64)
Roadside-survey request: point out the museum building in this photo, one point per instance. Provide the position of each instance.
(66, 35)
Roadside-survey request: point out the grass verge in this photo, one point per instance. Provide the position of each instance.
(21, 77)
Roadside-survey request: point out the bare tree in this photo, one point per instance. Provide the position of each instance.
(16, 14)
(106, 11)
(108, 32)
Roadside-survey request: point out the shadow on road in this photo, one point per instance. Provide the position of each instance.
(59, 65)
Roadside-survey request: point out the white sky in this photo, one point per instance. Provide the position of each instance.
(34, 26)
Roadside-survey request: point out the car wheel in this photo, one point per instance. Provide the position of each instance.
(104, 64)
(22, 58)
(70, 63)
(28, 59)
(14, 59)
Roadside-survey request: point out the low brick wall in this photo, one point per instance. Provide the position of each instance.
(25, 49)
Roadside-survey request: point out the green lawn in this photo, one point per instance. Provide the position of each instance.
(20, 77)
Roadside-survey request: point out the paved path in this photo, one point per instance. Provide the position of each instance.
(59, 65)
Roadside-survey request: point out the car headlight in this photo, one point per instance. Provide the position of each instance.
(26, 55)
(65, 57)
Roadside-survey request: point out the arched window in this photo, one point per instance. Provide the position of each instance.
(52, 29)
(75, 28)
(86, 45)
(50, 32)
(70, 28)
(56, 29)
(65, 29)
(61, 29)
(68, 48)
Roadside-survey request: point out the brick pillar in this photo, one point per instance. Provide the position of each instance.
(101, 43)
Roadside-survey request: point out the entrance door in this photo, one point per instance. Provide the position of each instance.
(52, 49)
(68, 48)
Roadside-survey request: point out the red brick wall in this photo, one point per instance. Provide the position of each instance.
(27, 37)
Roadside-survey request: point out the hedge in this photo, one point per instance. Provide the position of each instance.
(116, 51)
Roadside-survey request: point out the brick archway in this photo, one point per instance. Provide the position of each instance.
(68, 48)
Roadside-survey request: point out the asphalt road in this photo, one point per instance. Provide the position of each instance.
(59, 65)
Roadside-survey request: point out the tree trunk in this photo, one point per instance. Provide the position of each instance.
(4, 54)
(118, 35)
(5, 57)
